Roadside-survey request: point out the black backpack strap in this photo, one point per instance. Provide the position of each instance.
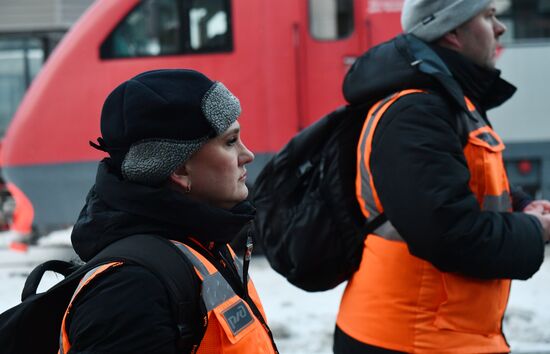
(162, 258)
(42, 313)
(33, 280)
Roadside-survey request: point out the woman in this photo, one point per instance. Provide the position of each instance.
(176, 168)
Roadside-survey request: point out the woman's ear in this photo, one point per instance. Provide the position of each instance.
(181, 179)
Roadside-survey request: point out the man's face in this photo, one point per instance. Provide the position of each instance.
(478, 38)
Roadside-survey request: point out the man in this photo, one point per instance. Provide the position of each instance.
(435, 278)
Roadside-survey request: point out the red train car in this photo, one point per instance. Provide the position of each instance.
(284, 59)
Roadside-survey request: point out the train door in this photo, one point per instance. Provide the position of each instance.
(330, 37)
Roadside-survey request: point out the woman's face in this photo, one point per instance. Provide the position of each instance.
(217, 173)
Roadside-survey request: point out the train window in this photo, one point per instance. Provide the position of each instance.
(152, 29)
(526, 20)
(330, 19)
(168, 27)
(20, 60)
(209, 27)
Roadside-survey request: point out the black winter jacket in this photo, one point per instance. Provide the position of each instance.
(418, 165)
(128, 311)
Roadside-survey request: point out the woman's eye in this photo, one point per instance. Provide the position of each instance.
(232, 141)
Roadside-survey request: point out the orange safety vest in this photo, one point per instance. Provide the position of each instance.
(232, 326)
(400, 302)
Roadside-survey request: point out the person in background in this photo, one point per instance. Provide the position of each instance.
(435, 278)
(176, 169)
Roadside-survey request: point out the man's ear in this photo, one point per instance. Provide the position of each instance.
(451, 40)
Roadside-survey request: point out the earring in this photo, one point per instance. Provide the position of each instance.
(188, 188)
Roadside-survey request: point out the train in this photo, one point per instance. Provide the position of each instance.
(284, 59)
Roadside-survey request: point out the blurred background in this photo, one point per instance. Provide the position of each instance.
(284, 59)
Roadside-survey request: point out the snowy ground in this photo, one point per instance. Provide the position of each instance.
(303, 322)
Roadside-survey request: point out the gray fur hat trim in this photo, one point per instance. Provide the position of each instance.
(151, 162)
(220, 107)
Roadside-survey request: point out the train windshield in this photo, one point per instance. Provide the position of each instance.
(330, 19)
(20, 60)
(169, 27)
(526, 20)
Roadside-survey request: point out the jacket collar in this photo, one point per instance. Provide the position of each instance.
(116, 208)
(483, 86)
(458, 75)
(407, 62)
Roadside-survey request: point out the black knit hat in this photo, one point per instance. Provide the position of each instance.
(152, 123)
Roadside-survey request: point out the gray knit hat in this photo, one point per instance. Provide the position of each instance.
(431, 19)
(152, 123)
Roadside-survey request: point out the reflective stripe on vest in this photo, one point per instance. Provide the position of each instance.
(64, 344)
(400, 302)
(497, 202)
(366, 192)
(493, 192)
(216, 290)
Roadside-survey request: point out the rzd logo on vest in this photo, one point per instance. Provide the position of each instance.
(238, 317)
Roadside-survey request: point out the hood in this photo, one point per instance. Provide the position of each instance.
(116, 208)
(407, 62)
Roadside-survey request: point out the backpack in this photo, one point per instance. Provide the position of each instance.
(34, 325)
(308, 221)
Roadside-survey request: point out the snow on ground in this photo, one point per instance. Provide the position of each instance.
(302, 322)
